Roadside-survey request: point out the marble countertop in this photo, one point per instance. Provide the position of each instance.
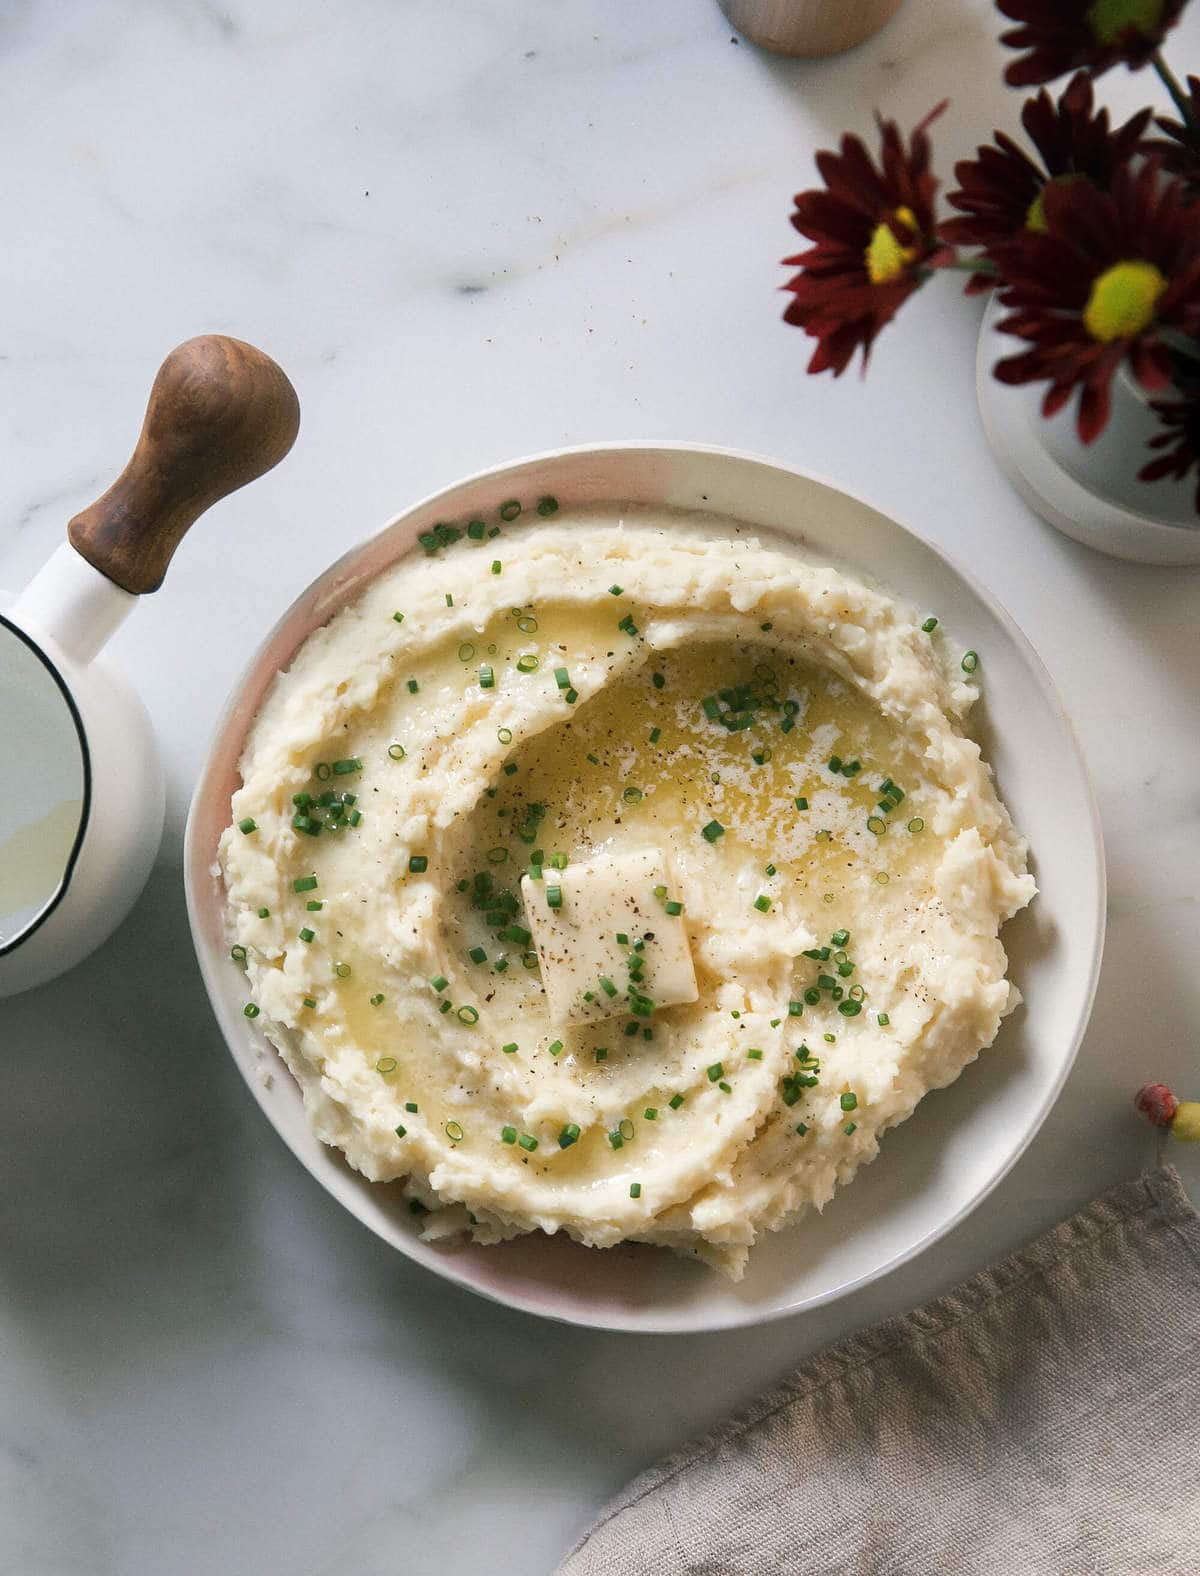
(467, 232)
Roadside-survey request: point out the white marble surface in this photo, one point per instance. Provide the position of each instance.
(468, 231)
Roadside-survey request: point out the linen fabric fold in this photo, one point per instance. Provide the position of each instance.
(1039, 1420)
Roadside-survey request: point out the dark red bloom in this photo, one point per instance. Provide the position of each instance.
(1179, 440)
(875, 238)
(1157, 1104)
(1113, 269)
(1000, 189)
(1180, 152)
(1066, 35)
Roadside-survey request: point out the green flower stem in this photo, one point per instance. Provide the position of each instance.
(971, 265)
(1174, 87)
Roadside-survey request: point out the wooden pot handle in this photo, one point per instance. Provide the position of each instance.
(220, 414)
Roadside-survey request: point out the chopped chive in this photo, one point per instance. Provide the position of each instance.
(418, 864)
(673, 907)
(410, 1105)
(321, 771)
(627, 625)
(615, 590)
(497, 856)
(439, 982)
(476, 530)
(562, 678)
(916, 824)
(675, 1101)
(632, 795)
(850, 1127)
(830, 1039)
(717, 1070)
(306, 934)
(839, 938)
(929, 625)
(712, 831)
(626, 1128)
(238, 954)
(386, 1065)
(468, 1014)
(528, 1142)
(658, 680)
(399, 617)
(569, 1135)
(396, 752)
(655, 735)
(248, 825)
(607, 986)
(635, 1190)
(377, 999)
(344, 768)
(401, 1131)
(812, 996)
(342, 970)
(970, 661)
(496, 566)
(876, 824)
(527, 662)
(602, 1053)
(454, 1132)
(571, 696)
(882, 1020)
(413, 686)
(616, 1141)
(835, 763)
(848, 1102)
(547, 506)
(510, 1049)
(754, 1056)
(504, 735)
(466, 651)
(795, 1009)
(559, 861)
(304, 883)
(309, 1002)
(724, 1087)
(510, 510)
(650, 1113)
(762, 903)
(802, 804)
(264, 913)
(477, 955)
(554, 1047)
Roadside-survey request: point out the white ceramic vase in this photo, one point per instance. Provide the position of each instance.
(1088, 491)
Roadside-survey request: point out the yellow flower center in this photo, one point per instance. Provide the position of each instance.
(1122, 301)
(1035, 214)
(1112, 20)
(886, 257)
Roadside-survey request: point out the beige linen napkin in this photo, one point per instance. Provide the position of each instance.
(1041, 1420)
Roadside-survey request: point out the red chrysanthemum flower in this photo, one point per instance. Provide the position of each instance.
(1112, 270)
(875, 238)
(1180, 152)
(1065, 35)
(1001, 188)
(1179, 440)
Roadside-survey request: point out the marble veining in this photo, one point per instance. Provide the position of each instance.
(468, 232)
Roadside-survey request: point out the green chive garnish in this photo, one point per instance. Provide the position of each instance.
(238, 954)
(802, 804)
(675, 1101)
(635, 1190)
(547, 506)
(410, 1105)
(754, 1056)
(304, 883)
(418, 864)
(468, 1014)
(510, 510)
(929, 625)
(496, 566)
(876, 824)
(762, 903)
(554, 1047)
(569, 1135)
(528, 1142)
(882, 1020)
(673, 907)
(454, 1132)
(439, 982)
(970, 661)
(306, 934)
(712, 831)
(717, 1070)
(553, 896)
(248, 825)
(510, 1049)
(850, 1127)
(344, 768)
(508, 1135)
(386, 1065)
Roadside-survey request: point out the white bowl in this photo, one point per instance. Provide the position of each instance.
(961, 1141)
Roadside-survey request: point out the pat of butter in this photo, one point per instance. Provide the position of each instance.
(586, 970)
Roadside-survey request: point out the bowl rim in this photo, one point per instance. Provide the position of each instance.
(343, 1186)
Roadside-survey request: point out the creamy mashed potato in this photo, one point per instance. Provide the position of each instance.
(554, 716)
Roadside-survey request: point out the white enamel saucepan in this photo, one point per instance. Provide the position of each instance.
(73, 853)
(962, 1140)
